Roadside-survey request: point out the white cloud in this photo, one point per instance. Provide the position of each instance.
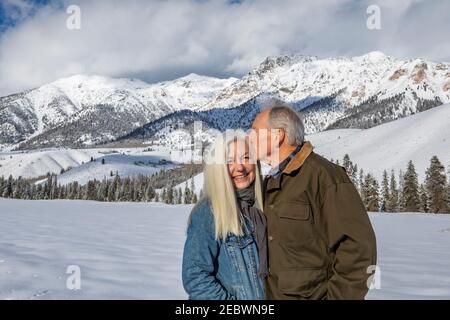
(157, 40)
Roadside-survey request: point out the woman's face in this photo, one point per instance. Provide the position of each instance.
(240, 167)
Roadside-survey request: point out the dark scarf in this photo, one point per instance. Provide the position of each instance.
(246, 201)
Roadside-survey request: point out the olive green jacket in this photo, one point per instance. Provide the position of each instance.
(321, 241)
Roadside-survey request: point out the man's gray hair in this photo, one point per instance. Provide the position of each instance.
(283, 116)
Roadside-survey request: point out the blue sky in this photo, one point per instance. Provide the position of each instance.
(158, 40)
(11, 13)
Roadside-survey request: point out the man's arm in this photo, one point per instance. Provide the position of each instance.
(351, 238)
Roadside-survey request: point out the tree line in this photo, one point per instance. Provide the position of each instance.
(160, 186)
(395, 193)
(402, 193)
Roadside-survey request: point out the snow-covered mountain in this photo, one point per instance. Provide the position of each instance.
(385, 147)
(83, 110)
(346, 92)
(305, 79)
(358, 92)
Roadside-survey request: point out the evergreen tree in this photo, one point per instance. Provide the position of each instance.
(361, 183)
(401, 183)
(180, 196)
(192, 186)
(410, 193)
(347, 164)
(351, 169)
(194, 198)
(53, 187)
(436, 185)
(392, 202)
(16, 189)
(170, 197)
(448, 191)
(354, 176)
(8, 190)
(90, 191)
(371, 193)
(423, 199)
(385, 192)
(175, 196)
(187, 194)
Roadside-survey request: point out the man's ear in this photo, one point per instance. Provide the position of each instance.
(281, 136)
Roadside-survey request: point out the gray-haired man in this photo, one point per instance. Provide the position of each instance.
(321, 241)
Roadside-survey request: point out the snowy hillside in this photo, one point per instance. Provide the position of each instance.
(32, 164)
(345, 92)
(386, 147)
(118, 248)
(106, 167)
(392, 145)
(36, 163)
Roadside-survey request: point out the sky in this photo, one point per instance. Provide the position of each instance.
(156, 40)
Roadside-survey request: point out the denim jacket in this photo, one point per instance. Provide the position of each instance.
(217, 269)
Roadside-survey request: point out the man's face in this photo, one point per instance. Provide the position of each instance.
(262, 138)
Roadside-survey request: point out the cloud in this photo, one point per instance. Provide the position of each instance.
(159, 40)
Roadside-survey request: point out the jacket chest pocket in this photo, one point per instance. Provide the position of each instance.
(239, 242)
(295, 221)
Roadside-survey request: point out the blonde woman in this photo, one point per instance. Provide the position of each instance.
(225, 254)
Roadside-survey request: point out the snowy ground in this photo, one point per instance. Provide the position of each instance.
(133, 250)
(124, 250)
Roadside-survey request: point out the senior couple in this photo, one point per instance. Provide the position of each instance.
(301, 233)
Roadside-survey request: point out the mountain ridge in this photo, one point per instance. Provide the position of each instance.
(341, 92)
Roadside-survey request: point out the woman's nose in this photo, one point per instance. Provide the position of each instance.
(239, 167)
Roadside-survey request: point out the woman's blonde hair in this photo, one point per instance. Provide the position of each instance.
(218, 187)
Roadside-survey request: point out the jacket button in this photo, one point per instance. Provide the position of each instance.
(270, 238)
(271, 206)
